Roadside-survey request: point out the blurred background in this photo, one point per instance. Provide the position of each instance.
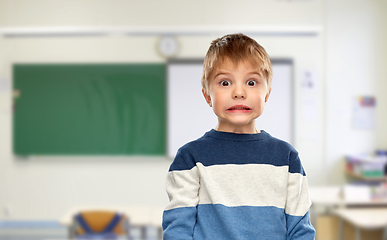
(337, 56)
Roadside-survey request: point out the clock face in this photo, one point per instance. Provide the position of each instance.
(168, 46)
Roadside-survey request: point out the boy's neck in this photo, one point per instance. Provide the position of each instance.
(246, 129)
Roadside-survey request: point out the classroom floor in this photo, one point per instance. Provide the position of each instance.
(59, 233)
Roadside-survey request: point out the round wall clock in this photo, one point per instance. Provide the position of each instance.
(168, 46)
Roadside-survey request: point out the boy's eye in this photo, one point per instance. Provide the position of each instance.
(252, 83)
(225, 83)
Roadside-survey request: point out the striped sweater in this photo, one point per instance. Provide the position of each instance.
(237, 186)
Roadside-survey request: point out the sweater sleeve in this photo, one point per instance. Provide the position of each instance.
(298, 202)
(182, 186)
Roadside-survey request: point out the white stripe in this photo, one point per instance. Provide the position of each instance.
(298, 201)
(239, 185)
(243, 185)
(182, 188)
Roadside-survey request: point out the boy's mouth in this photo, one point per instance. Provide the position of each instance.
(239, 108)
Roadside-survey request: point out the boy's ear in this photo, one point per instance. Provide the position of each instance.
(267, 95)
(207, 97)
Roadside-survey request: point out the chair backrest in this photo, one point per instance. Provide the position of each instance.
(100, 222)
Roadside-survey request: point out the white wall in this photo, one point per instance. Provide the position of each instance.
(381, 39)
(166, 12)
(355, 67)
(45, 187)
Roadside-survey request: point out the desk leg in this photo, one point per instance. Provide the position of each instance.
(385, 234)
(358, 234)
(312, 215)
(160, 233)
(143, 232)
(71, 231)
(341, 226)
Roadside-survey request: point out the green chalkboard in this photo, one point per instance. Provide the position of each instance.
(89, 109)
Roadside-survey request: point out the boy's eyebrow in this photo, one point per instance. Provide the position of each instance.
(221, 72)
(255, 72)
(259, 74)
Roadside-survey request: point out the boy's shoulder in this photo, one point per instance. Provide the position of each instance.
(184, 159)
(194, 144)
(279, 143)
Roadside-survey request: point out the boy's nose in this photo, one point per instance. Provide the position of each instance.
(239, 92)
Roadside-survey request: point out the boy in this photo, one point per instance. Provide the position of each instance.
(237, 182)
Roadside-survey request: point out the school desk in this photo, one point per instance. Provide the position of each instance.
(362, 214)
(139, 216)
(363, 218)
(332, 196)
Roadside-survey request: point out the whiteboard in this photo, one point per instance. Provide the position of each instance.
(189, 116)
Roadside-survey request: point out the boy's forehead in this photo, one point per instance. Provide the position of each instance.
(229, 65)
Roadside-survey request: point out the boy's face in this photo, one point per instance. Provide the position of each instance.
(237, 95)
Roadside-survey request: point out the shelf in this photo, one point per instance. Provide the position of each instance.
(371, 179)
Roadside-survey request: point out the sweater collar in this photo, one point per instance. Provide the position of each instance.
(237, 136)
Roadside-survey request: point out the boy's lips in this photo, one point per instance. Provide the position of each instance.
(239, 108)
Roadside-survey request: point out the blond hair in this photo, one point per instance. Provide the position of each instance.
(236, 47)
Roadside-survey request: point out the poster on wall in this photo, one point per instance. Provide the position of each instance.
(364, 113)
(310, 94)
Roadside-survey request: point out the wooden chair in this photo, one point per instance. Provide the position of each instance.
(100, 225)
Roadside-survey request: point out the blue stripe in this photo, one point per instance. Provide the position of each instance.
(179, 223)
(245, 222)
(300, 228)
(295, 165)
(83, 223)
(113, 223)
(219, 151)
(239, 223)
